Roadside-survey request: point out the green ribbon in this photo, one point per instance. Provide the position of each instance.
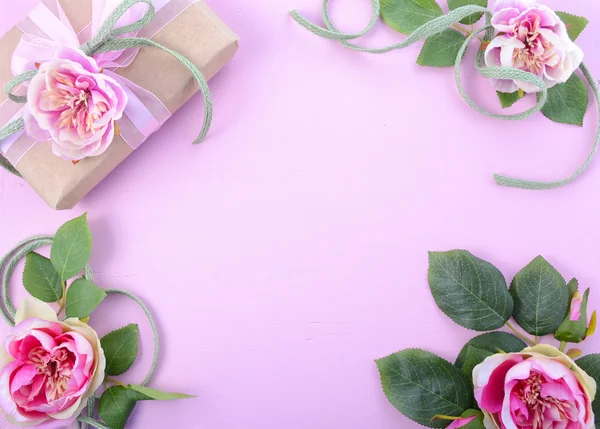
(440, 24)
(108, 40)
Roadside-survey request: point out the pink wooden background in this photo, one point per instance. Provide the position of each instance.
(288, 251)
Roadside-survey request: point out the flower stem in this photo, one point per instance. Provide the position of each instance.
(518, 334)
(461, 29)
(563, 346)
(113, 381)
(466, 32)
(63, 300)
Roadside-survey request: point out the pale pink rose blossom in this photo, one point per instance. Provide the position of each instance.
(71, 102)
(457, 424)
(538, 388)
(49, 369)
(531, 37)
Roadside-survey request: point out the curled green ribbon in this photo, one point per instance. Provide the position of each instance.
(108, 40)
(440, 24)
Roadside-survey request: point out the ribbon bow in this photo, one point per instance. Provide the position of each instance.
(112, 46)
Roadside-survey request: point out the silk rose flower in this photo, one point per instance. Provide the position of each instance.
(49, 368)
(534, 39)
(538, 388)
(73, 103)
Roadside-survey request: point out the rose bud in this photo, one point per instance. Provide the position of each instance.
(574, 328)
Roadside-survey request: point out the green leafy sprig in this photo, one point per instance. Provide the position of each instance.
(59, 280)
(567, 102)
(474, 294)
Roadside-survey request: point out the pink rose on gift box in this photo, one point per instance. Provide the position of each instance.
(534, 39)
(71, 102)
(538, 388)
(49, 368)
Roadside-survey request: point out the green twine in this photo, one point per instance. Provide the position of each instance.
(12, 128)
(105, 41)
(529, 184)
(440, 24)
(22, 78)
(7, 267)
(135, 42)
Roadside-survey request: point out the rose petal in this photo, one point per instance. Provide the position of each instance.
(22, 377)
(34, 308)
(488, 378)
(32, 128)
(77, 56)
(456, 424)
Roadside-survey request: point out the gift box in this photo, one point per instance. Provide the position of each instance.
(188, 27)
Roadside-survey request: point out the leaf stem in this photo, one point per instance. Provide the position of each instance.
(117, 382)
(521, 336)
(563, 346)
(537, 340)
(461, 29)
(466, 32)
(442, 417)
(63, 300)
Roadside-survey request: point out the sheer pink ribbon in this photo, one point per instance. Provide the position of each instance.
(47, 27)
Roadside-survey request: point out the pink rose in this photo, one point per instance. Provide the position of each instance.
(456, 424)
(49, 368)
(71, 102)
(532, 38)
(538, 388)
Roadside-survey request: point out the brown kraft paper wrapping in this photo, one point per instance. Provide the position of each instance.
(198, 34)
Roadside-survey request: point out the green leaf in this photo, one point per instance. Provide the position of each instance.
(469, 290)
(591, 365)
(40, 278)
(567, 102)
(508, 99)
(575, 24)
(455, 4)
(158, 394)
(83, 297)
(493, 342)
(406, 16)
(573, 287)
(71, 247)
(421, 385)
(115, 406)
(442, 49)
(120, 348)
(473, 358)
(541, 297)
